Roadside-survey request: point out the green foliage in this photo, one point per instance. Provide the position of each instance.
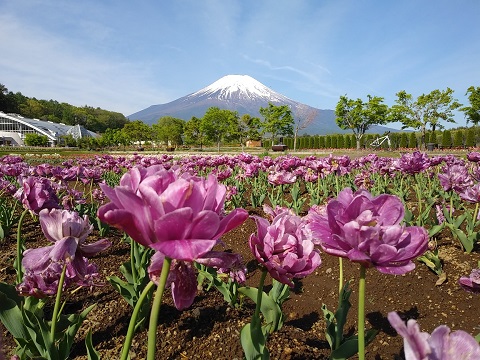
(472, 112)
(470, 140)
(426, 111)
(278, 121)
(193, 132)
(447, 138)
(328, 141)
(359, 116)
(220, 125)
(412, 140)
(33, 139)
(137, 131)
(403, 140)
(321, 142)
(458, 138)
(169, 130)
(333, 140)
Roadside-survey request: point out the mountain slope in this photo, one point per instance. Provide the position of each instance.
(245, 95)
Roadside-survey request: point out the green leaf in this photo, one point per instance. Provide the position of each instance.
(270, 309)
(253, 342)
(434, 230)
(350, 346)
(126, 290)
(467, 244)
(91, 352)
(10, 313)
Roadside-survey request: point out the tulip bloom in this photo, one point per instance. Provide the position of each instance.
(284, 247)
(43, 266)
(367, 230)
(182, 216)
(36, 193)
(440, 345)
(472, 282)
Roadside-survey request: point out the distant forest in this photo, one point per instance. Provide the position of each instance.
(93, 119)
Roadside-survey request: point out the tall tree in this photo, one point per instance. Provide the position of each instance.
(169, 130)
(137, 131)
(305, 117)
(193, 132)
(472, 112)
(278, 121)
(426, 111)
(219, 125)
(359, 116)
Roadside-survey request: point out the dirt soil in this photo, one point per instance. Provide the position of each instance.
(210, 328)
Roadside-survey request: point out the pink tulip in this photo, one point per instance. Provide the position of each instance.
(367, 230)
(284, 247)
(180, 215)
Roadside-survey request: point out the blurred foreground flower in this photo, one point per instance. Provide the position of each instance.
(367, 230)
(440, 345)
(182, 216)
(472, 282)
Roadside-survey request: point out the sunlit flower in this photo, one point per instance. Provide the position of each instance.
(442, 344)
(367, 230)
(284, 247)
(455, 178)
(181, 216)
(281, 177)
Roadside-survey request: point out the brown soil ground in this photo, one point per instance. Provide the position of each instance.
(210, 329)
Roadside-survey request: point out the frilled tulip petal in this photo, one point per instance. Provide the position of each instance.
(89, 250)
(64, 249)
(37, 259)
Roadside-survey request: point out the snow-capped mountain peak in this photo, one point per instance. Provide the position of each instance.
(231, 87)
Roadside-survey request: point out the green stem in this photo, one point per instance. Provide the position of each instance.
(340, 280)
(451, 207)
(56, 309)
(133, 321)
(157, 302)
(361, 314)
(256, 316)
(475, 214)
(20, 247)
(133, 245)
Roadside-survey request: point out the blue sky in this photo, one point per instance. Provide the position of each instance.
(127, 55)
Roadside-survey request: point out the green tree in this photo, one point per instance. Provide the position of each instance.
(447, 138)
(193, 132)
(278, 121)
(359, 116)
(137, 131)
(33, 139)
(220, 125)
(472, 112)
(458, 138)
(169, 130)
(426, 111)
(328, 141)
(321, 142)
(412, 140)
(470, 140)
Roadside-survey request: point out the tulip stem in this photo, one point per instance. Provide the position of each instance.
(20, 247)
(361, 314)
(475, 214)
(340, 280)
(157, 302)
(256, 316)
(56, 309)
(133, 320)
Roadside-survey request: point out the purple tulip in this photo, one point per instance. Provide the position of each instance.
(455, 177)
(281, 177)
(43, 266)
(471, 283)
(36, 193)
(473, 156)
(413, 163)
(440, 345)
(284, 247)
(367, 230)
(471, 194)
(181, 216)
(183, 279)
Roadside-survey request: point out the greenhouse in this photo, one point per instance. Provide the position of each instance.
(13, 129)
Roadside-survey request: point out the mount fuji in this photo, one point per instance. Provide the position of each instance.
(243, 94)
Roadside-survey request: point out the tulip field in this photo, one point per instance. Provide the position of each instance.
(197, 256)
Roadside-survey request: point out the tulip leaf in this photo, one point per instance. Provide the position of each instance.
(253, 341)
(434, 230)
(91, 352)
(270, 309)
(350, 346)
(10, 313)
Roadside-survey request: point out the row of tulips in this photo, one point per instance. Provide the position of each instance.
(175, 208)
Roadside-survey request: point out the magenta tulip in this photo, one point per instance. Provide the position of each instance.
(472, 282)
(180, 215)
(36, 193)
(284, 247)
(367, 230)
(440, 345)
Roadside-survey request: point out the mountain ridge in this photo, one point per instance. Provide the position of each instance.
(246, 95)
